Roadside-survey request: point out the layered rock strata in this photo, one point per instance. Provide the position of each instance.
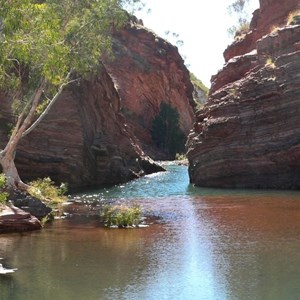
(271, 15)
(13, 219)
(99, 133)
(84, 140)
(148, 70)
(248, 134)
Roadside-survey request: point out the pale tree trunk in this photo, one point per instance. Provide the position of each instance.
(7, 156)
(13, 179)
(24, 126)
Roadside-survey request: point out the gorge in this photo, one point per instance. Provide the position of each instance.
(201, 232)
(99, 133)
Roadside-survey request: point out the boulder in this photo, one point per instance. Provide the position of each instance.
(13, 219)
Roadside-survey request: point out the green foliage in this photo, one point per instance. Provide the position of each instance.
(198, 83)
(49, 39)
(121, 215)
(180, 156)
(166, 132)
(294, 18)
(270, 62)
(238, 9)
(3, 194)
(240, 30)
(45, 190)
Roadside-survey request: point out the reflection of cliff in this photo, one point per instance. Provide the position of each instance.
(147, 71)
(254, 244)
(248, 133)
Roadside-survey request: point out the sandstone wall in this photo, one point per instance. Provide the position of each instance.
(84, 139)
(271, 15)
(147, 70)
(248, 134)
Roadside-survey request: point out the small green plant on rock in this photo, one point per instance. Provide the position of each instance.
(3, 194)
(121, 215)
(270, 62)
(180, 156)
(241, 31)
(46, 191)
(294, 18)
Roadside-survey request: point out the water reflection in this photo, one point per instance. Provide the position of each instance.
(209, 245)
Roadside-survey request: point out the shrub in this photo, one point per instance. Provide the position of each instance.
(46, 191)
(180, 156)
(270, 62)
(241, 30)
(121, 215)
(198, 83)
(294, 17)
(3, 194)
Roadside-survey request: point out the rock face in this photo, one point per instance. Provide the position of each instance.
(13, 219)
(83, 141)
(271, 15)
(248, 134)
(147, 70)
(98, 133)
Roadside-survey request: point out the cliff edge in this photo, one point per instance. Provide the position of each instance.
(248, 134)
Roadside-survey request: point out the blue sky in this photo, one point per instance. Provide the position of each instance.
(201, 25)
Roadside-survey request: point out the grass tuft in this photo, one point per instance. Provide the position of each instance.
(121, 215)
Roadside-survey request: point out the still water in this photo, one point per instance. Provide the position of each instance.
(205, 244)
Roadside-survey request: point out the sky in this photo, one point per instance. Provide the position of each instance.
(201, 25)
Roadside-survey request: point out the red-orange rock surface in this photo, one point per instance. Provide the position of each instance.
(272, 14)
(13, 219)
(83, 141)
(147, 70)
(248, 134)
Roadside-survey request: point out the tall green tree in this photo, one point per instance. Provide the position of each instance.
(45, 45)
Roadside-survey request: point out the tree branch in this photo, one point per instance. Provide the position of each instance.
(51, 103)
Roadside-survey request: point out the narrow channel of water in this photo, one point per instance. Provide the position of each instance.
(208, 244)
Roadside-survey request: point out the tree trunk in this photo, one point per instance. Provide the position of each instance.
(13, 180)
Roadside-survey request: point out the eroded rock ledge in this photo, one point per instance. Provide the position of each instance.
(248, 135)
(13, 219)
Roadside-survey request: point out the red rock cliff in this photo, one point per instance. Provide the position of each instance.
(84, 139)
(271, 15)
(147, 70)
(248, 134)
(98, 133)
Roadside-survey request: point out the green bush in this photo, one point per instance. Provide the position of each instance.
(3, 194)
(198, 83)
(121, 215)
(166, 132)
(180, 156)
(45, 190)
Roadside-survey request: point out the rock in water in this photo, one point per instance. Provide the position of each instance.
(6, 271)
(13, 219)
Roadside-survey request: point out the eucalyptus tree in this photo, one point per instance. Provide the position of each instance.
(44, 46)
